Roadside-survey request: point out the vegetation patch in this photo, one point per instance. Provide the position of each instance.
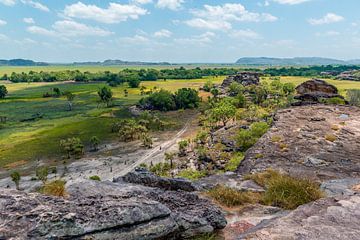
(330, 137)
(234, 162)
(54, 188)
(192, 174)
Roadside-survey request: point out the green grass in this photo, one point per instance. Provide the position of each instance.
(28, 141)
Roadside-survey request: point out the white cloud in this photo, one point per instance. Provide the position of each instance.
(328, 34)
(29, 20)
(170, 4)
(3, 37)
(163, 33)
(245, 34)
(36, 5)
(202, 39)
(137, 39)
(8, 2)
(290, 2)
(68, 28)
(328, 18)
(219, 17)
(115, 13)
(2, 22)
(141, 2)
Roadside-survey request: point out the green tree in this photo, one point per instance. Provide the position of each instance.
(72, 147)
(95, 141)
(42, 174)
(126, 93)
(15, 177)
(208, 86)
(3, 91)
(134, 81)
(182, 147)
(70, 98)
(170, 157)
(146, 140)
(187, 98)
(222, 112)
(105, 95)
(162, 100)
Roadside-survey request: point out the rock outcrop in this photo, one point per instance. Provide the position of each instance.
(321, 142)
(244, 78)
(314, 90)
(107, 210)
(329, 218)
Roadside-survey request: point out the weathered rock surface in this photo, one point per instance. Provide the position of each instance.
(319, 141)
(143, 177)
(106, 210)
(325, 219)
(313, 90)
(244, 78)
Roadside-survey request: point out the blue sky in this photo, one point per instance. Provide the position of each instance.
(178, 30)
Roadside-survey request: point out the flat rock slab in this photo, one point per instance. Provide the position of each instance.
(310, 141)
(330, 218)
(106, 210)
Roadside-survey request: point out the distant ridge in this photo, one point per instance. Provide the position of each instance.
(297, 61)
(110, 62)
(21, 62)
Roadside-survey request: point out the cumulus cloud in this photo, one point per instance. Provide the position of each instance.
(170, 4)
(328, 34)
(141, 2)
(245, 34)
(328, 18)
(8, 2)
(163, 33)
(219, 17)
(29, 20)
(2, 22)
(202, 39)
(115, 12)
(68, 28)
(291, 2)
(137, 39)
(36, 5)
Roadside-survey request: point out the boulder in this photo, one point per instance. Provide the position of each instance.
(106, 210)
(314, 90)
(143, 177)
(244, 78)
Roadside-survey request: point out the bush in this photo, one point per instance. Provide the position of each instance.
(231, 197)
(162, 100)
(72, 147)
(353, 96)
(208, 86)
(246, 138)
(42, 174)
(333, 101)
(234, 162)
(289, 193)
(161, 169)
(15, 177)
(3, 91)
(191, 174)
(95, 178)
(187, 98)
(55, 188)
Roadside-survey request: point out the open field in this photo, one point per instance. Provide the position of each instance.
(28, 141)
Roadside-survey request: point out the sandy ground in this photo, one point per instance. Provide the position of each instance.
(113, 160)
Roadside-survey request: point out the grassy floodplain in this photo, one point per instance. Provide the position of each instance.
(28, 141)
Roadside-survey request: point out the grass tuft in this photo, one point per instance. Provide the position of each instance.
(54, 188)
(330, 137)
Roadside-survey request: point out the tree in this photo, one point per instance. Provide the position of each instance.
(105, 95)
(208, 86)
(222, 112)
(170, 157)
(70, 98)
(126, 93)
(72, 147)
(134, 81)
(187, 98)
(162, 100)
(147, 140)
(42, 174)
(3, 91)
(15, 177)
(131, 130)
(182, 147)
(95, 141)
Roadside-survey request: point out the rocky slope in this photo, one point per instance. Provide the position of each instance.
(321, 142)
(109, 210)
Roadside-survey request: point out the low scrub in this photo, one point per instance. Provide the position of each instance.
(95, 178)
(234, 162)
(54, 188)
(285, 191)
(192, 174)
(230, 197)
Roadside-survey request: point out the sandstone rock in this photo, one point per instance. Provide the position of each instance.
(143, 177)
(244, 78)
(324, 219)
(308, 153)
(105, 210)
(340, 187)
(313, 90)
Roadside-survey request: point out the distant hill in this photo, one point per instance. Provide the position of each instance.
(21, 62)
(298, 61)
(120, 63)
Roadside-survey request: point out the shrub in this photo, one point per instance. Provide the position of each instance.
(15, 177)
(231, 197)
(95, 178)
(42, 174)
(246, 138)
(187, 98)
(234, 162)
(182, 147)
(161, 169)
(3, 91)
(353, 96)
(191, 174)
(289, 193)
(208, 86)
(55, 188)
(72, 147)
(333, 101)
(162, 100)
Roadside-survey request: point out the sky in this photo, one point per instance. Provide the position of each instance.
(178, 31)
